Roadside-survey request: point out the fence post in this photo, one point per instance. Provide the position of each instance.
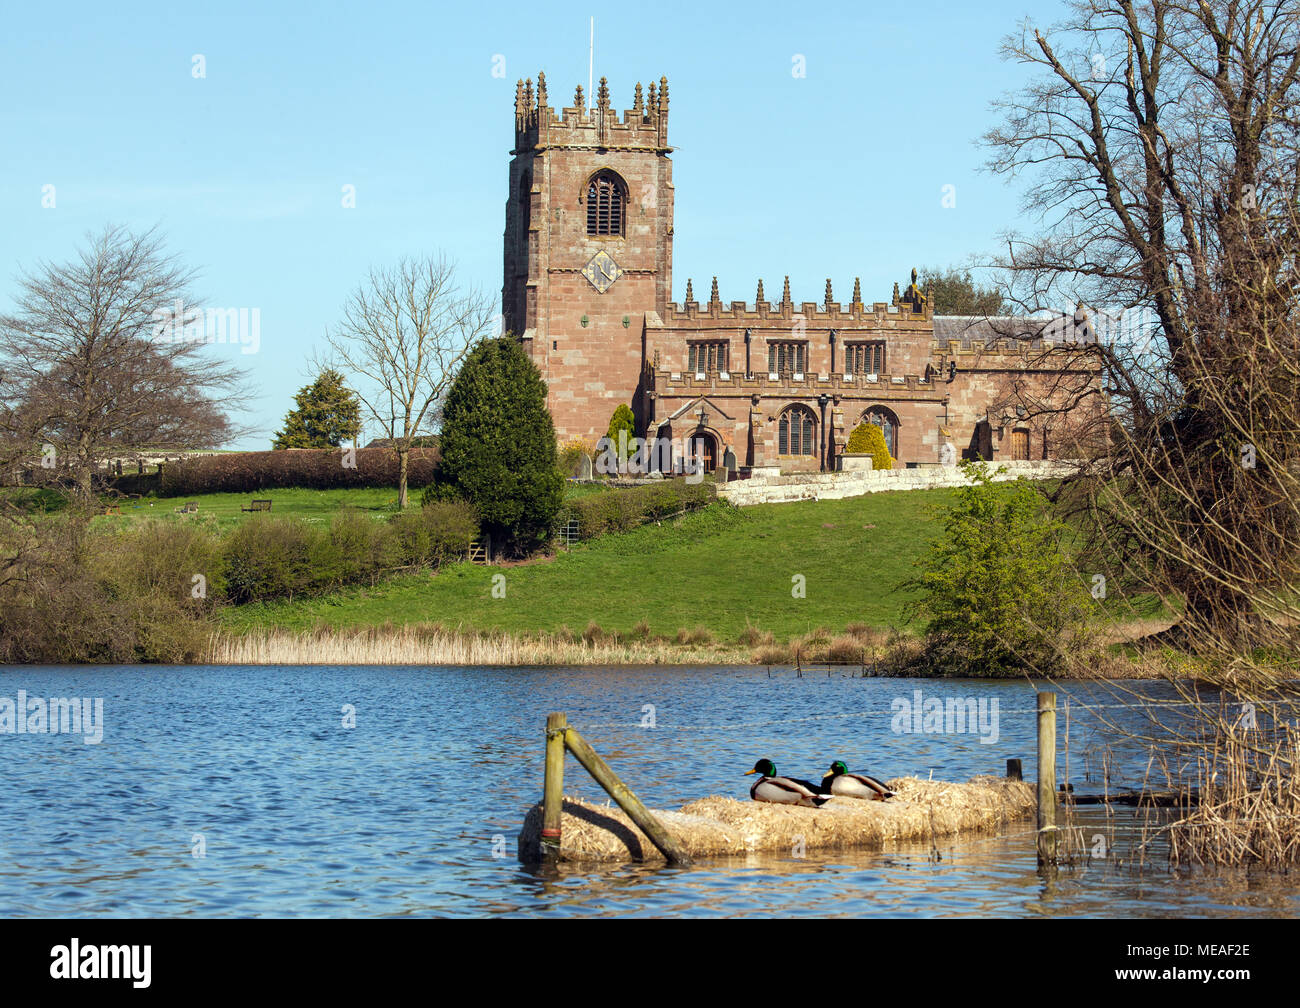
(626, 800)
(553, 786)
(1046, 778)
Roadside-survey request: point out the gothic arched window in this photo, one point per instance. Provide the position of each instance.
(797, 432)
(888, 424)
(606, 198)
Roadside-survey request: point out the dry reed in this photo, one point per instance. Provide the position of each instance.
(418, 644)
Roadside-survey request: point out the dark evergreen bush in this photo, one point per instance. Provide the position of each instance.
(498, 446)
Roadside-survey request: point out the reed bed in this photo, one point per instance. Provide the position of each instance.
(1249, 809)
(719, 826)
(419, 645)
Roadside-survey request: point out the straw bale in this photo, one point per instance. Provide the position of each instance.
(719, 825)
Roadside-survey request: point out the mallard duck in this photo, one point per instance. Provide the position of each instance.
(783, 790)
(838, 781)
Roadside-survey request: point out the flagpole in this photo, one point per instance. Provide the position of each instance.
(591, 60)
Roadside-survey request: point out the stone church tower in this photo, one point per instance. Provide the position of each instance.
(588, 247)
(587, 289)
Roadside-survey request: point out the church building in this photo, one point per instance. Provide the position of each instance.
(588, 287)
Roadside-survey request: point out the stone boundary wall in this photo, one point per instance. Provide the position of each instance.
(767, 488)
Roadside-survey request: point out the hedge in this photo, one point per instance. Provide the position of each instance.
(311, 468)
(282, 557)
(624, 509)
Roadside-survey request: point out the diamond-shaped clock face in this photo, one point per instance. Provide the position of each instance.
(602, 271)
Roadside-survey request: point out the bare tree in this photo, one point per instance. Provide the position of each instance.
(404, 332)
(1160, 141)
(92, 364)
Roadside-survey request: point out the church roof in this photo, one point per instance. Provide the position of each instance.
(1057, 327)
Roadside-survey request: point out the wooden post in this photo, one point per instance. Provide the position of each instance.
(1046, 778)
(1013, 770)
(553, 786)
(626, 800)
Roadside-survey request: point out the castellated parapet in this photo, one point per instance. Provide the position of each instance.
(642, 127)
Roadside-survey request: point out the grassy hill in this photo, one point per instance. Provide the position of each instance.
(722, 570)
(719, 569)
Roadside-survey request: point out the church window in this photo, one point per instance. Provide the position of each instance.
(888, 424)
(787, 358)
(709, 358)
(864, 358)
(796, 432)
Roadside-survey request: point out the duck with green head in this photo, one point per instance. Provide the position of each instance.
(783, 790)
(838, 781)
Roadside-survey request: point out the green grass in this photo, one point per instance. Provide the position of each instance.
(311, 505)
(717, 568)
(720, 568)
(226, 507)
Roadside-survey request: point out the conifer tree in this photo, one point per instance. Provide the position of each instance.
(498, 447)
(327, 414)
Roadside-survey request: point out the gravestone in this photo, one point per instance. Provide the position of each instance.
(584, 466)
(729, 464)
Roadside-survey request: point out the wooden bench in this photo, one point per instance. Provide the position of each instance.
(258, 505)
(189, 507)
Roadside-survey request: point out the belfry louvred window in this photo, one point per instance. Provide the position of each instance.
(605, 204)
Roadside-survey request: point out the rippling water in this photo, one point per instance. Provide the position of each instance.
(415, 810)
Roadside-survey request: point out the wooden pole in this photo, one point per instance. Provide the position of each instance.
(553, 786)
(1046, 778)
(626, 800)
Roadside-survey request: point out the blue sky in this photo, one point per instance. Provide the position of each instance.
(839, 173)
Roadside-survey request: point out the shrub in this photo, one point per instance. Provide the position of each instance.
(847, 650)
(868, 439)
(366, 548)
(621, 423)
(570, 458)
(594, 634)
(498, 446)
(625, 508)
(995, 588)
(316, 469)
(277, 558)
(440, 532)
(752, 636)
(779, 654)
(166, 557)
(100, 598)
(700, 635)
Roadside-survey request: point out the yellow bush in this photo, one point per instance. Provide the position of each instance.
(868, 439)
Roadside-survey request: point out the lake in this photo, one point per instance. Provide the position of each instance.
(238, 791)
